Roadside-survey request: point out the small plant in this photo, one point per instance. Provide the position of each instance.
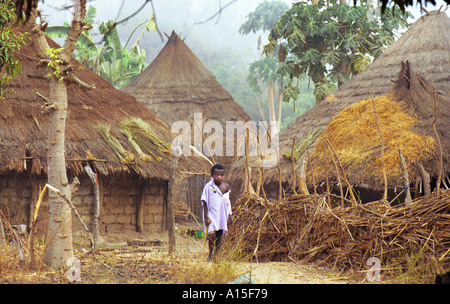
(54, 63)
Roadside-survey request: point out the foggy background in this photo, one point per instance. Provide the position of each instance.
(217, 43)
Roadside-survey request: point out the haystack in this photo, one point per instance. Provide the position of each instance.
(128, 185)
(425, 46)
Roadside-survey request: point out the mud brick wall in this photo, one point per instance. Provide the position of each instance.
(15, 198)
(118, 210)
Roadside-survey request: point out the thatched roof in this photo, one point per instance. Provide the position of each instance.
(177, 84)
(426, 46)
(24, 128)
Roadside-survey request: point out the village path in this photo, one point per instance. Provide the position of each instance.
(274, 272)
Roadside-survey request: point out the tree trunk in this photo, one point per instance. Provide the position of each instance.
(174, 192)
(59, 236)
(271, 100)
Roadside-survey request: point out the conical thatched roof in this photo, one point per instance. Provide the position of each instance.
(24, 128)
(426, 46)
(177, 84)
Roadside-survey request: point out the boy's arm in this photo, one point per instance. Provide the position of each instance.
(206, 219)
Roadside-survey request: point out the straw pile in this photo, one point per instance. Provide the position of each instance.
(355, 136)
(306, 227)
(264, 229)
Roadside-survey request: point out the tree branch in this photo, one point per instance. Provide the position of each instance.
(75, 29)
(219, 12)
(72, 78)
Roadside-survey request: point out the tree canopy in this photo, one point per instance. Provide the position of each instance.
(114, 62)
(329, 42)
(11, 42)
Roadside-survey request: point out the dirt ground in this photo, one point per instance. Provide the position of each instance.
(275, 272)
(118, 262)
(191, 250)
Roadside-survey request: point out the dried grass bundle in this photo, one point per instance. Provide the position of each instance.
(144, 136)
(131, 139)
(125, 156)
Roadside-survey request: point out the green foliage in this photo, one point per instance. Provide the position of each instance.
(264, 17)
(10, 43)
(265, 69)
(329, 43)
(54, 63)
(111, 60)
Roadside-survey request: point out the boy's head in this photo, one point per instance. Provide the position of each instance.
(218, 173)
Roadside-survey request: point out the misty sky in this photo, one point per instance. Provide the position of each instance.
(180, 15)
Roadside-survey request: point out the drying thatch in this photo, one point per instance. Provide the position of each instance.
(177, 84)
(308, 228)
(23, 126)
(425, 46)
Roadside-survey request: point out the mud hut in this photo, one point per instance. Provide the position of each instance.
(132, 182)
(177, 86)
(425, 45)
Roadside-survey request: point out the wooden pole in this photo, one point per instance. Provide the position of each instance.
(438, 183)
(408, 199)
(349, 187)
(294, 182)
(171, 197)
(94, 179)
(2, 232)
(302, 177)
(425, 179)
(382, 153)
(140, 209)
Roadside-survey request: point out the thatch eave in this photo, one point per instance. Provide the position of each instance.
(24, 128)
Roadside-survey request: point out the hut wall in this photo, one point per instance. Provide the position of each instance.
(119, 197)
(120, 204)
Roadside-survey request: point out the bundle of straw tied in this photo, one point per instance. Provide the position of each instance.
(308, 228)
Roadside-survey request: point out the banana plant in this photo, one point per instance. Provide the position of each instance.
(108, 58)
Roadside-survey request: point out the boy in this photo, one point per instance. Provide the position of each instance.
(216, 209)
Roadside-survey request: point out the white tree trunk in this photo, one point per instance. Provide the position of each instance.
(59, 236)
(271, 100)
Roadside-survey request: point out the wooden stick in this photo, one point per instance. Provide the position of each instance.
(438, 184)
(247, 174)
(302, 177)
(2, 233)
(349, 187)
(94, 179)
(408, 199)
(341, 191)
(293, 167)
(261, 169)
(382, 152)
